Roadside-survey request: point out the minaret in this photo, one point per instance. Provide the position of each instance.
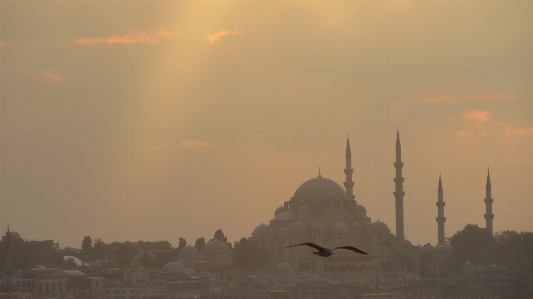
(488, 203)
(399, 193)
(9, 266)
(441, 219)
(349, 171)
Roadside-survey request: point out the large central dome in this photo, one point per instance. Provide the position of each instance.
(319, 188)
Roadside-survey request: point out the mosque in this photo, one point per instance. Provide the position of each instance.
(323, 212)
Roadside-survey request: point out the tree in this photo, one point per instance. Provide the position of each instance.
(219, 235)
(182, 243)
(473, 244)
(426, 265)
(87, 243)
(200, 243)
(249, 255)
(70, 264)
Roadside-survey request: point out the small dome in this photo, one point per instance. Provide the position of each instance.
(408, 243)
(380, 225)
(339, 225)
(297, 227)
(285, 216)
(216, 246)
(188, 251)
(319, 188)
(283, 267)
(356, 225)
(304, 212)
(260, 229)
(359, 211)
(173, 267)
(322, 225)
(280, 210)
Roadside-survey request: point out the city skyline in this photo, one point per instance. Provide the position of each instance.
(159, 120)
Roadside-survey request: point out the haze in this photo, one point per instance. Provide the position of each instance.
(154, 120)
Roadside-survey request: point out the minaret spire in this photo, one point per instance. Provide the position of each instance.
(399, 193)
(319, 174)
(9, 266)
(349, 171)
(440, 217)
(488, 205)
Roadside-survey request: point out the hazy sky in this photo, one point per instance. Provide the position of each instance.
(151, 120)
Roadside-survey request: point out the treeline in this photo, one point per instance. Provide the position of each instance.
(27, 254)
(478, 246)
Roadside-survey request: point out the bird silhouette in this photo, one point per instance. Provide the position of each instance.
(325, 252)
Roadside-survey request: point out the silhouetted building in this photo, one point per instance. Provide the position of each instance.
(488, 203)
(440, 219)
(323, 212)
(399, 193)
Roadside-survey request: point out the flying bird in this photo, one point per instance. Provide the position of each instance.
(325, 252)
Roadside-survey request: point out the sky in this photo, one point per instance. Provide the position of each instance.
(155, 120)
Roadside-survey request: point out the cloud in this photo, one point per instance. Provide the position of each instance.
(211, 38)
(150, 36)
(494, 97)
(55, 77)
(464, 134)
(510, 130)
(194, 144)
(477, 116)
(159, 147)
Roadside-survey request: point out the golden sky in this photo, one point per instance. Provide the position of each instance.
(151, 120)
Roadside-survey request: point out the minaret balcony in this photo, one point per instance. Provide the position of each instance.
(398, 164)
(489, 200)
(348, 184)
(489, 216)
(441, 219)
(348, 171)
(399, 180)
(398, 193)
(440, 204)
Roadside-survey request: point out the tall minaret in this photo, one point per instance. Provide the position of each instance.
(349, 171)
(441, 219)
(399, 193)
(488, 203)
(9, 266)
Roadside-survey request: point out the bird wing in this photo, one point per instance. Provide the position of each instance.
(308, 244)
(352, 249)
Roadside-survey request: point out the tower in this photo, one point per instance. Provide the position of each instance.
(488, 203)
(399, 193)
(440, 219)
(349, 171)
(9, 266)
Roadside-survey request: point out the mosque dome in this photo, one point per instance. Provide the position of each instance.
(285, 216)
(360, 211)
(297, 227)
(189, 251)
(380, 225)
(304, 212)
(280, 210)
(216, 246)
(408, 243)
(173, 267)
(319, 188)
(283, 267)
(261, 228)
(338, 225)
(356, 225)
